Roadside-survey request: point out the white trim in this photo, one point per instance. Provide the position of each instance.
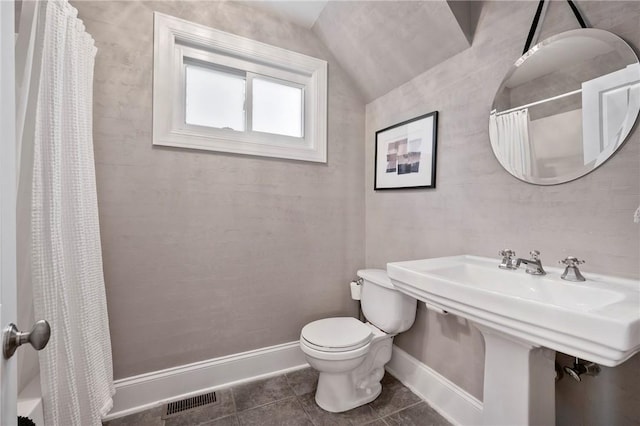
(176, 39)
(452, 402)
(145, 391)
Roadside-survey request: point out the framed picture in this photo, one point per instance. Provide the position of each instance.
(406, 154)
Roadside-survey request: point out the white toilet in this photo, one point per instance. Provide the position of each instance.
(351, 355)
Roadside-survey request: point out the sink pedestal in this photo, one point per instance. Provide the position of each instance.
(519, 381)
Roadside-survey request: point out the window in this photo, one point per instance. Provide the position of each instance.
(217, 91)
(277, 108)
(214, 98)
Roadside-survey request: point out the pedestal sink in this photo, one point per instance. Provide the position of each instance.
(524, 319)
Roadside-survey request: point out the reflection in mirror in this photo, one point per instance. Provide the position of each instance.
(565, 106)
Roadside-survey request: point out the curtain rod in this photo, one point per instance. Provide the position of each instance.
(564, 95)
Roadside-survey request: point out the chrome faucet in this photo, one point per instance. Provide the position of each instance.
(571, 272)
(508, 261)
(534, 265)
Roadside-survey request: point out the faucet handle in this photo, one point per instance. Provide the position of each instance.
(506, 253)
(571, 272)
(571, 261)
(535, 254)
(507, 259)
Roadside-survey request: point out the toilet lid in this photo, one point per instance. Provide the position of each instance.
(337, 334)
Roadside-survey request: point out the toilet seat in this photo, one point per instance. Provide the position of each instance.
(334, 356)
(340, 334)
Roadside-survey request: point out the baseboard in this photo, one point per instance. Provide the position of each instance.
(452, 402)
(139, 393)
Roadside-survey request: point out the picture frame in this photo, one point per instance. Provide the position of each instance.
(405, 154)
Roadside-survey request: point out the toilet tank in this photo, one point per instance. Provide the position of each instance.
(383, 305)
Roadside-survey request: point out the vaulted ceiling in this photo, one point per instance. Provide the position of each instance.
(383, 44)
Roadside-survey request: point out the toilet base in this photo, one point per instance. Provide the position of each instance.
(338, 392)
(330, 394)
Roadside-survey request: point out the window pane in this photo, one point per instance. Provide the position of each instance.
(277, 108)
(214, 98)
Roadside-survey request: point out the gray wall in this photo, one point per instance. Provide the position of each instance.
(478, 208)
(209, 254)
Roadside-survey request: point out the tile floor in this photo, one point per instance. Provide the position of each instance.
(289, 400)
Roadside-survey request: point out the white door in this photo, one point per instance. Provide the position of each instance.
(8, 368)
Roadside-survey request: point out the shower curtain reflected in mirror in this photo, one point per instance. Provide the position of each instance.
(509, 135)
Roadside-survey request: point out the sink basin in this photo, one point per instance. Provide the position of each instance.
(597, 320)
(539, 289)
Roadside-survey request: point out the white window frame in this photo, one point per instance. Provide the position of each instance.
(177, 42)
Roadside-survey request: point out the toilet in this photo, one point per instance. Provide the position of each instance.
(350, 355)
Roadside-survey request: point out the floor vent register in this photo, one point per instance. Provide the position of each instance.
(179, 407)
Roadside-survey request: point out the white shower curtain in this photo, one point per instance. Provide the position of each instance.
(68, 284)
(510, 139)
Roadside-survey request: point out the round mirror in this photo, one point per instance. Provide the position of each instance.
(565, 106)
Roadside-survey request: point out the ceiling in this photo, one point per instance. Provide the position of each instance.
(300, 12)
(383, 44)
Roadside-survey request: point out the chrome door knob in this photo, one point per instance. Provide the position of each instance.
(38, 337)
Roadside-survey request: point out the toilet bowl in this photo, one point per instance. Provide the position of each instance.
(350, 355)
